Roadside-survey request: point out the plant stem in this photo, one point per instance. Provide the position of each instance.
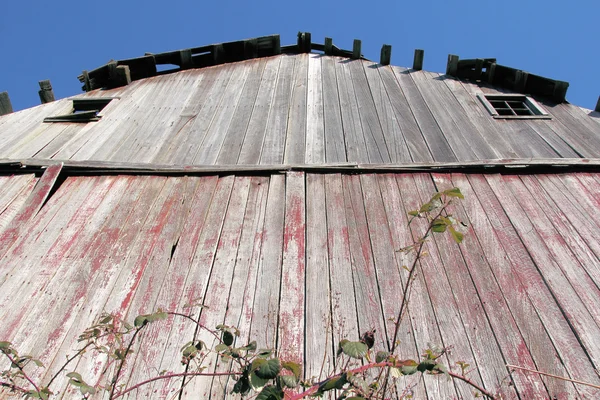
(195, 322)
(554, 376)
(12, 360)
(398, 364)
(116, 378)
(168, 376)
(81, 351)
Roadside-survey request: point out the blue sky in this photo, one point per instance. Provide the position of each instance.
(57, 40)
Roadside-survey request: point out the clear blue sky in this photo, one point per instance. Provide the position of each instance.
(56, 40)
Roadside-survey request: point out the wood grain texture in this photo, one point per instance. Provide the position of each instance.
(315, 123)
(335, 145)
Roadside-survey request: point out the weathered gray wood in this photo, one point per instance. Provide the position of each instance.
(356, 149)
(232, 144)
(452, 66)
(257, 126)
(315, 121)
(356, 47)
(392, 133)
(46, 93)
(418, 59)
(386, 54)
(273, 146)
(335, 143)
(435, 139)
(295, 141)
(371, 127)
(5, 104)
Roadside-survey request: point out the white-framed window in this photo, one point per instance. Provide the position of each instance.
(513, 106)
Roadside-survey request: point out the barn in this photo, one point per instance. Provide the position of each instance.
(269, 186)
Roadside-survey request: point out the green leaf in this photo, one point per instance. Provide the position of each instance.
(228, 338)
(396, 372)
(439, 225)
(341, 346)
(257, 383)
(269, 369)
(454, 192)
(355, 349)
(337, 382)
(242, 386)
(270, 393)
(264, 353)
(358, 381)
(140, 320)
(5, 345)
(409, 367)
(381, 356)
(221, 347)
(426, 207)
(456, 235)
(293, 367)
(426, 365)
(249, 347)
(288, 381)
(413, 213)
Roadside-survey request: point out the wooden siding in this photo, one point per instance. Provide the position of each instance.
(296, 109)
(286, 257)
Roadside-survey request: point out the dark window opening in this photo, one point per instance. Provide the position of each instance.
(84, 110)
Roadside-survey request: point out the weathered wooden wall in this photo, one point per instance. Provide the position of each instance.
(295, 109)
(287, 257)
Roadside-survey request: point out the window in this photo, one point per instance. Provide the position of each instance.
(84, 110)
(509, 106)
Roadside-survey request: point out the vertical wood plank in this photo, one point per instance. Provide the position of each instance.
(335, 144)
(273, 146)
(315, 124)
(295, 142)
(257, 126)
(290, 340)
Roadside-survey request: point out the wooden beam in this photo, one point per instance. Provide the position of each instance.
(452, 66)
(85, 78)
(251, 48)
(185, 59)
(386, 54)
(559, 93)
(46, 93)
(118, 75)
(5, 104)
(276, 44)
(491, 72)
(418, 59)
(520, 81)
(478, 68)
(598, 105)
(304, 42)
(328, 46)
(356, 49)
(218, 54)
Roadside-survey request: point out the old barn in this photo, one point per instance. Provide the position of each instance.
(272, 183)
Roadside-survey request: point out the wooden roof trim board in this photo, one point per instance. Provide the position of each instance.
(122, 72)
(537, 165)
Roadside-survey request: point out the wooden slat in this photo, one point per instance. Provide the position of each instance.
(208, 151)
(257, 126)
(218, 285)
(568, 290)
(393, 135)
(315, 124)
(291, 330)
(356, 149)
(232, 143)
(295, 141)
(14, 195)
(266, 301)
(435, 139)
(521, 282)
(242, 293)
(377, 150)
(335, 145)
(30, 208)
(319, 359)
(273, 146)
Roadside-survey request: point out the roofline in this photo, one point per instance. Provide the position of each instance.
(122, 72)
